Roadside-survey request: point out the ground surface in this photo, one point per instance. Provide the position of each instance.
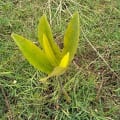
(93, 79)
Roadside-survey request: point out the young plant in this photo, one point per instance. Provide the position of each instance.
(50, 58)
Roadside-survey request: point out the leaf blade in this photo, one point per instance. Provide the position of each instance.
(32, 53)
(64, 61)
(59, 70)
(71, 36)
(44, 28)
(48, 51)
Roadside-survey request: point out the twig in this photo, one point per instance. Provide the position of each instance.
(10, 117)
(99, 90)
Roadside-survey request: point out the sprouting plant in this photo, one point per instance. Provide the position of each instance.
(49, 58)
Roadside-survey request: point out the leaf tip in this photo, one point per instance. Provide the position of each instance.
(43, 18)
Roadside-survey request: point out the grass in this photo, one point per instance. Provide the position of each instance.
(92, 80)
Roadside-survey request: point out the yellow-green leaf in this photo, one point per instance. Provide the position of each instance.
(56, 72)
(71, 36)
(44, 28)
(33, 54)
(59, 69)
(48, 51)
(65, 61)
(62, 66)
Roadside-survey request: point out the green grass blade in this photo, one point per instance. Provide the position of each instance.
(44, 28)
(71, 36)
(33, 54)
